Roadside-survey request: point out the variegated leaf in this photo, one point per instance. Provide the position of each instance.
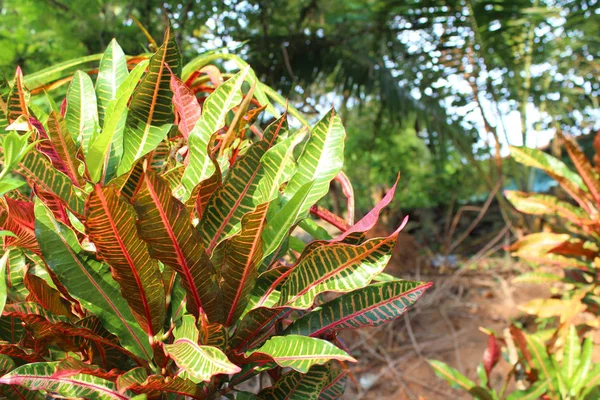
(82, 110)
(85, 279)
(238, 265)
(111, 74)
(297, 386)
(38, 171)
(337, 267)
(105, 152)
(299, 352)
(216, 108)
(373, 305)
(41, 376)
(151, 111)
(111, 226)
(238, 195)
(200, 363)
(166, 226)
(321, 160)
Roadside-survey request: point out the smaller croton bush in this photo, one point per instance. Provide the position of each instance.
(567, 254)
(542, 367)
(148, 224)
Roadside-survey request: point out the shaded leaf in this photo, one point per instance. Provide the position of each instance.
(166, 226)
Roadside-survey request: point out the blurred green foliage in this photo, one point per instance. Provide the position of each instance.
(427, 87)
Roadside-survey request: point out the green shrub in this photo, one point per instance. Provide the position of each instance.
(148, 244)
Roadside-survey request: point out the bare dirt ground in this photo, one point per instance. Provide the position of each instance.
(444, 325)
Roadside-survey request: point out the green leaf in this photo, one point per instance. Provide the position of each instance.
(88, 281)
(238, 194)
(298, 386)
(371, 306)
(151, 111)
(541, 204)
(215, 109)
(280, 224)
(15, 147)
(571, 354)
(541, 360)
(451, 375)
(9, 183)
(299, 352)
(321, 160)
(42, 376)
(82, 110)
(533, 393)
(106, 150)
(337, 267)
(3, 292)
(111, 74)
(585, 364)
(200, 363)
(165, 225)
(111, 225)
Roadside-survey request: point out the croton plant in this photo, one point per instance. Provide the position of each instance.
(568, 253)
(149, 237)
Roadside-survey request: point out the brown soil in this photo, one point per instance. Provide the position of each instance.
(444, 326)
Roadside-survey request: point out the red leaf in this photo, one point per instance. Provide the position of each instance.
(165, 225)
(20, 220)
(187, 108)
(367, 222)
(491, 355)
(111, 226)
